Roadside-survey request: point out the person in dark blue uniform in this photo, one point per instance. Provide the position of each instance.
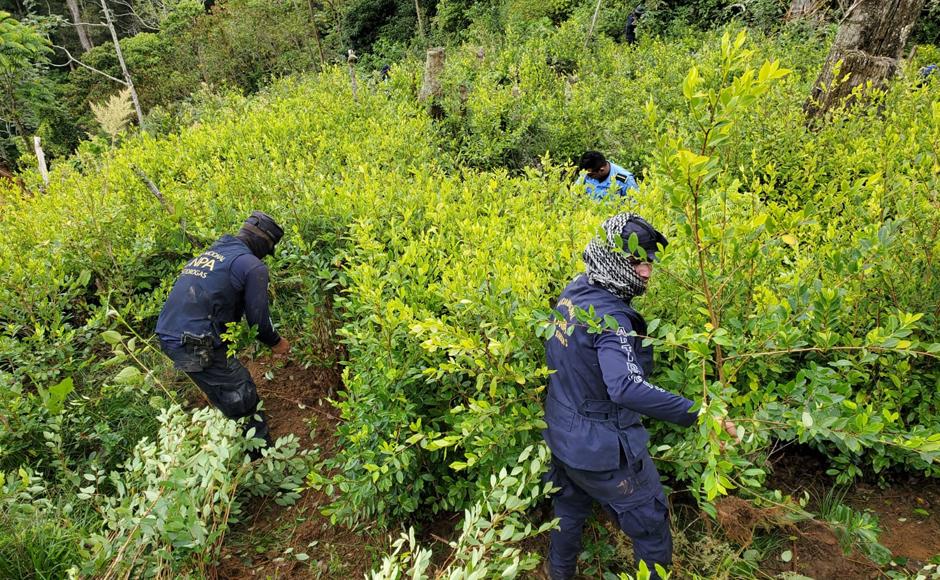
(219, 286)
(632, 20)
(602, 177)
(597, 395)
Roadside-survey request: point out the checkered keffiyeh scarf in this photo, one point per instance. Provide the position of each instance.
(610, 267)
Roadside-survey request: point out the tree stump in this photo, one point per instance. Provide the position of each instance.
(433, 67)
(431, 90)
(809, 9)
(869, 46)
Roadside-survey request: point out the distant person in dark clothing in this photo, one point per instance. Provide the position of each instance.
(630, 30)
(215, 288)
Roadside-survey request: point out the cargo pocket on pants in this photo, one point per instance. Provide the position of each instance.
(186, 360)
(647, 519)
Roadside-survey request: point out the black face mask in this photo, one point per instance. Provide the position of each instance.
(259, 245)
(260, 233)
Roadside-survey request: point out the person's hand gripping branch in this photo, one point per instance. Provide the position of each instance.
(731, 429)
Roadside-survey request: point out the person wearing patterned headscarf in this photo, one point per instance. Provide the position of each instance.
(596, 398)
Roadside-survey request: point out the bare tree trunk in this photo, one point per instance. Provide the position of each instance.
(79, 25)
(869, 46)
(420, 19)
(120, 55)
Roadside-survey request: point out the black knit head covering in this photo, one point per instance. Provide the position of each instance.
(260, 233)
(609, 263)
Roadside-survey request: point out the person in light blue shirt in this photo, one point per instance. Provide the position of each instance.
(601, 177)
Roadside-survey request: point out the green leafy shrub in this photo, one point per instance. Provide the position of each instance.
(28, 91)
(33, 543)
(174, 498)
(491, 528)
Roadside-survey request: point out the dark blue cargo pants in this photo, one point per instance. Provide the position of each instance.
(225, 381)
(631, 494)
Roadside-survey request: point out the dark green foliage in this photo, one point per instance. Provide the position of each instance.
(37, 547)
(667, 16)
(26, 91)
(927, 28)
(368, 20)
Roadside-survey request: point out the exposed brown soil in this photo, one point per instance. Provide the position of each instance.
(909, 534)
(909, 516)
(816, 553)
(295, 400)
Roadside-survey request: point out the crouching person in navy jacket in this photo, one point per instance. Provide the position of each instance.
(597, 395)
(227, 281)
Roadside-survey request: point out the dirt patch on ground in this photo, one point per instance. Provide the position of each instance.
(296, 400)
(908, 512)
(816, 553)
(268, 540)
(909, 516)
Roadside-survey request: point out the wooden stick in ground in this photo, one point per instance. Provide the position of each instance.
(41, 158)
(597, 10)
(351, 59)
(166, 205)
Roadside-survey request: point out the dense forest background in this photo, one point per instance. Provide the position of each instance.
(182, 53)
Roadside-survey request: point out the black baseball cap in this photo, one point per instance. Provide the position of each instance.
(647, 236)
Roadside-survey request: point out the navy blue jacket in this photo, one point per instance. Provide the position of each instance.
(599, 389)
(215, 288)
